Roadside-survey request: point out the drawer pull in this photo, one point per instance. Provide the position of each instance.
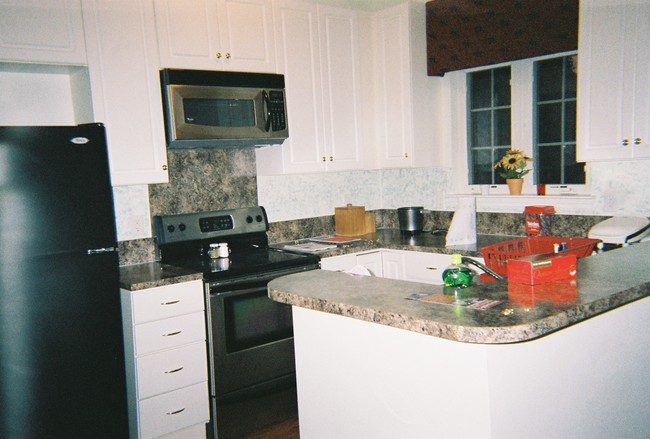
(175, 370)
(172, 302)
(176, 412)
(431, 268)
(171, 334)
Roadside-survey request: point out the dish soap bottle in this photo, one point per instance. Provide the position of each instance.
(458, 274)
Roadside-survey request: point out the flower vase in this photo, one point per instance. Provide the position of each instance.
(515, 185)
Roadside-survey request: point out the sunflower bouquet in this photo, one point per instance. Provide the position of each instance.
(513, 164)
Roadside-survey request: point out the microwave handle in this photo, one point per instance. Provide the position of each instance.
(267, 105)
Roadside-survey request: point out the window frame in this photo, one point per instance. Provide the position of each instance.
(522, 128)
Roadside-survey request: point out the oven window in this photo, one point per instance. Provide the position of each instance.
(220, 112)
(253, 319)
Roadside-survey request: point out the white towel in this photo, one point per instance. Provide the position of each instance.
(463, 225)
(359, 270)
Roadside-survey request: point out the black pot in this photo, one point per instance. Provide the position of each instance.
(411, 219)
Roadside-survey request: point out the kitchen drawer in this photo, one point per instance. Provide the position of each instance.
(172, 369)
(167, 301)
(425, 267)
(169, 333)
(175, 410)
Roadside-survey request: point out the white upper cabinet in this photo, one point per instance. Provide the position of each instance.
(405, 95)
(42, 31)
(235, 35)
(614, 80)
(123, 68)
(318, 52)
(341, 78)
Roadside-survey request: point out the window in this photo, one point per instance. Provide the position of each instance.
(505, 99)
(489, 123)
(555, 122)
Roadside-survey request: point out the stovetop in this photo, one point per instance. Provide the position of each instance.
(183, 240)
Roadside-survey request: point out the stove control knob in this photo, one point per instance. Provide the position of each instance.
(259, 218)
(171, 228)
(181, 227)
(249, 219)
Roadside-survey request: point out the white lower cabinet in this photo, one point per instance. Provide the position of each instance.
(406, 265)
(166, 361)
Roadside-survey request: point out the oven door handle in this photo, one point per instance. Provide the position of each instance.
(255, 280)
(234, 293)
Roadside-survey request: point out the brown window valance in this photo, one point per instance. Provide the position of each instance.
(470, 33)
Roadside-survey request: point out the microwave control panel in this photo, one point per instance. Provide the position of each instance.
(276, 110)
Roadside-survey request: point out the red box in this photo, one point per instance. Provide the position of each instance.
(560, 293)
(538, 269)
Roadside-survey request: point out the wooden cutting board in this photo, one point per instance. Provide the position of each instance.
(350, 220)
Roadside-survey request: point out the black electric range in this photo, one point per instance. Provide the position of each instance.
(184, 240)
(250, 337)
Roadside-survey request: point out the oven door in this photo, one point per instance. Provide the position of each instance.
(251, 336)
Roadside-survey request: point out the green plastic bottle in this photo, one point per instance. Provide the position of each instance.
(457, 274)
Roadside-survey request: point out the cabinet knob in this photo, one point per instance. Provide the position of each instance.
(324, 159)
(625, 142)
(331, 159)
(164, 167)
(638, 141)
(227, 55)
(406, 154)
(218, 55)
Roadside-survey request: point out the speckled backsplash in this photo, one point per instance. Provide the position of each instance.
(214, 179)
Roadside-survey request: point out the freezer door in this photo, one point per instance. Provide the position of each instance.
(55, 191)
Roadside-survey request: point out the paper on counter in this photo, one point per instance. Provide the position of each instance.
(463, 225)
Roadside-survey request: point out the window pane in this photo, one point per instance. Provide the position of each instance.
(550, 164)
(488, 121)
(571, 77)
(549, 123)
(481, 127)
(502, 127)
(574, 172)
(570, 121)
(481, 89)
(549, 79)
(481, 172)
(502, 86)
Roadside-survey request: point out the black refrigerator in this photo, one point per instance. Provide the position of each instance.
(61, 349)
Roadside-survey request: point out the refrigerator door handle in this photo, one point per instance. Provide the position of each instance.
(95, 251)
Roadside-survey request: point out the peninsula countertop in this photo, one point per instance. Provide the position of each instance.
(605, 281)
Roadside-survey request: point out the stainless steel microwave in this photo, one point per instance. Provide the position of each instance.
(223, 109)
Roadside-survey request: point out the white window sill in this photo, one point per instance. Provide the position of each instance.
(506, 203)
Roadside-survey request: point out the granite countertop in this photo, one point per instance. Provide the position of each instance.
(393, 239)
(154, 274)
(605, 281)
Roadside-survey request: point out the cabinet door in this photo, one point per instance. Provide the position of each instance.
(317, 49)
(42, 31)
(393, 264)
(613, 101)
(298, 51)
(339, 263)
(339, 37)
(123, 68)
(216, 34)
(407, 121)
(372, 261)
(395, 120)
(246, 35)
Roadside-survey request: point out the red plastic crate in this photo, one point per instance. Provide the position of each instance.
(496, 256)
